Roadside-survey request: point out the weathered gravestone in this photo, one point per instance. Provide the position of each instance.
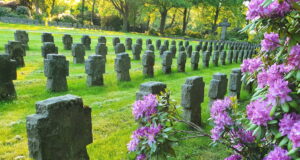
(181, 61)
(140, 42)
(181, 49)
(78, 53)
(192, 95)
(147, 88)
(136, 51)
(235, 82)
(173, 50)
(122, 66)
(223, 57)
(119, 48)
(128, 43)
(230, 56)
(102, 39)
(215, 58)
(60, 130)
(162, 49)
(195, 60)
(166, 44)
(224, 26)
(241, 56)
(148, 61)
(95, 68)
(47, 37)
(56, 69)
(189, 50)
(67, 41)
(218, 87)
(148, 42)
(8, 73)
(173, 42)
(151, 47)
(158, 44)
(186, 44)
(22, 36)
(86, 41)
(167, 62)
(16, 51)
(180, 44)
(101, 49)
(49, 48)
(205, 59)
(235, 54)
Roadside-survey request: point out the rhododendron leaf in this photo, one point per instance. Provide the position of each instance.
(283, 142)
(285, 107)
(257, 131)
(273, 110)
(293, 151)
(298, 75)
(273, 122)
(278, 135)
(266, 3)
(252, 127)
(290, 145)
(289, 75)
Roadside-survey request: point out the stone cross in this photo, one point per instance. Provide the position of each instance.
(195, 60)
(56, 69)
(67, 41)
(16, 51)
(49, 48)
(148, 41)
(181, 61)
(235, 83)
(192, 95)
(128, 43)
(119, 48)
(150, 88)
(215, 58)
(162, 49)
(8, 73)
(22, 36)
(47, 37)
(151, 47)
(136, 51)
(166, 44)
(173, 42)
(218, 87)
(95, 68)
(78, 53)
(102, 39)
(60, 129)
(158, 44)
(224, 26)
(167, 62)
(101, 49)
(186, 44)
(86, 41)
(122, 66)
(116, 40)
(205, 59)
(148, 61)
(140, 42)
(189, 50)
(173, 50)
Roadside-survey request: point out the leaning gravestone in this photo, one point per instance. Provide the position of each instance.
(192, 95)
(235, 82)
(22, 36)
(128, 43)
(78, 53)
(95, 68)
(195, 60)
(167, 62)
(8, 73)
(122, 66)
(49, 48)
(158, 44)
(67, 41)
(148, 61)
(101, 49)
(86, 41)
(181, 61)
(102, 39)
(16, 51)
(56, 69)
(60, 129)
(147, 88)
(218, 87)
(119, 48)
(47, 37)
(173, 50)
(136, 51)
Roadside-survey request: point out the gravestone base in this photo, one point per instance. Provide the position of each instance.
(57, 84)
(7, 91)
(96, 80)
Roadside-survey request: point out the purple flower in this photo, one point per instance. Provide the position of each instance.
(141, 157)
(251, 65)
(234, 157)
(152, 132)
(287, 122)
(219, 113)
(146, 107)
(258, 112)
(132, 145)
(278, 154)
(270, 42)
(279, 91)
(262, 79)
(294, 135)
(216, 133)
(294, 57)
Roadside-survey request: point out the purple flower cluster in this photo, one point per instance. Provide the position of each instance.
(141, 157)
(294, 57)
(220, 117)
(258, 112)
(234, 157)
(244, 135)
(146, 107)
(275, 9)
(148, 133)
(278, 153)
(251, 65)
(270, 42)
(294, 135)
(287, 122)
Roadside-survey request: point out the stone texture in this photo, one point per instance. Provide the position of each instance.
(101, 49)
(230, 56)
(158, 44)
(102, 39)
(122, 66)
(206, 59)
(167, 62)
(16, 51)
(120, 48)
(47, 37)
(67, 41)
(235, 83)
(150, 88)
(162, 49)
(128, 43)
(195, 60)
(148, 61)
(8, 73)
(241, 56)
(215, 58)
(223, 57)
(60, 129)
(22, 36)
(173, 50)
(78, 53)
(186, 44)
(173, 42)
(140, 42)
(151, 47)
(95, 68)
(218, 87)
(86, 41)
(166, 44)
(224, 26)
(235, 56)
(136, 51)
(192, 95)
(56, 69)
(189, 51)
(116, 40)
(49, 48)
(181, 61)
(148, 42)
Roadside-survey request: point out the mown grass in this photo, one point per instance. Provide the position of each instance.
(111, 103)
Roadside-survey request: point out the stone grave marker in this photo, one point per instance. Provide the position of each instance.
(49, 48)
(120, 48)
(16, 51)
(218, 87)
(173, 50)
(235, 82)
(86, 41)
(22, 36)
(47, 37)
(148, 61)
(122, 66)
(128, 43)
(136, 51)
(8, 73)
(102, 39)
(181, 61)
(101, 49)
(158, 44)
(78, 53)
(95, 68)
(195, 60)
(147, 88)
(167, 62)
(67, 41)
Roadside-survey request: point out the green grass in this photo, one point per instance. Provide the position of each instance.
(111, 103)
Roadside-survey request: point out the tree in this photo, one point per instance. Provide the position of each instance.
(82, 11)
(186, 12)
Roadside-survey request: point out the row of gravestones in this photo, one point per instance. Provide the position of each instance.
(62, 126)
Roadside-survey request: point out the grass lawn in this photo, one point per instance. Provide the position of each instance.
(111, 103)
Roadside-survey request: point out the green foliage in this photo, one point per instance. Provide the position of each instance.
(24, 11)
(236, 35)
(113, 21)
(67, 18)
(4, 11)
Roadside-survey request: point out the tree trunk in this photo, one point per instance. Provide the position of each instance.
(93, 12)
(52, 7)
(125, 23)
(163, 14)
(82, 12)
(173, 20)
(215, 26)
(185, 20)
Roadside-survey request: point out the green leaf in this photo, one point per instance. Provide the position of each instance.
(257, 131)
(252, 127)
(293, 151)
(273, 122)
(266, 3)
(283, 141)
(285, 107)
(298, 75)
(278, 135)
(273, 111)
